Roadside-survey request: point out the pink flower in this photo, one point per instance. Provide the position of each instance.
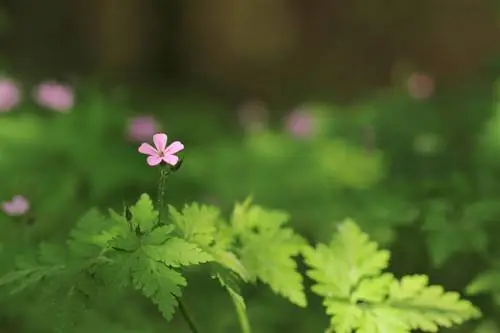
(253, 115)
(420, 86)
(9, 95)
(19, 205)
(55, 96)
(300, 123)
(161, 152)
(142, 128)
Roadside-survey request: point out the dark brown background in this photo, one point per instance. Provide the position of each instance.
(259, 47)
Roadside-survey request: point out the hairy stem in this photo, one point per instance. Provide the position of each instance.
(189, 320)
(161, 192)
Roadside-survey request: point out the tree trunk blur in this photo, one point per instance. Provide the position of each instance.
(261, 48)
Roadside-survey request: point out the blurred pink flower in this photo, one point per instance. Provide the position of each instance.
(9, 95)
(253, 115)
(420, 86)
(300, 123)
(142, 128)
(55, 96)
(19, 205)
(161, 153)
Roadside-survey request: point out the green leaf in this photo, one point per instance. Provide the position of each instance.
(159, 283)
(350, 251)
(196, 222)
(202, 225)
(261, 233)
(144, 214)
(360, 298)
(485, 282)
(176, 252)
(94, 232)
(51, 263)
(425, 307)
(228, 281)
(159, 235)
(230, 261)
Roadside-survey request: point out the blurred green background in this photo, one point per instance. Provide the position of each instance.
(383, 111)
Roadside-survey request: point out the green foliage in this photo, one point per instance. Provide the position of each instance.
(419, 177)
(361, 298)
(137, 252)
(261, 232)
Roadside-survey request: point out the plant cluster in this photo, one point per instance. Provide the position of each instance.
(140, 250)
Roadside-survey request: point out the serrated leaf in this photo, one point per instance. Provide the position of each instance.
(350, 257)
(374, 289)
(94, 232)
(159, 235)
(426, 307)
(196, 222)
(360, 298)
(144, 214)
(159, 283)
(260, 232)
(176, 252)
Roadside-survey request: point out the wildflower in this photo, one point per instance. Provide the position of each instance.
(420, 86)
(55, 96)
(9, 95)
(142, 128)
(253, 115)
(19, 205)
(300, 123)
(160, 152)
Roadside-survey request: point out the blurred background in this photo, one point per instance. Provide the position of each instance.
(383, 111)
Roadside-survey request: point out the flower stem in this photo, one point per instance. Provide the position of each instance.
(161, 193)
(189, 320)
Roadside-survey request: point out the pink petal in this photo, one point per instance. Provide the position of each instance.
(171, 159)
(17, 206)
(160, 140)
(153, 160)
(147, 149)
(174, 147)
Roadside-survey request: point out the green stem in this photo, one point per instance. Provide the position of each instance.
(189, 320)
(161, 193)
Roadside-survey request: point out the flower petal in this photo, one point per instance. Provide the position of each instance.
(147, 149)
(171, 159)
(153, 160)
(174, 147)
(160, 140)
(19, 205)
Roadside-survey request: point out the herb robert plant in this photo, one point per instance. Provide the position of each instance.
(141, 250)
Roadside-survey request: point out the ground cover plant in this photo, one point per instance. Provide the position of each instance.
(107, 227)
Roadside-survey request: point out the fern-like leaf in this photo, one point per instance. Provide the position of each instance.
(51, 262)
(94, 232)
(359, 297)
(268, 249)
(144, 216)
(197, 223)
(159, 283)
(202, 225)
